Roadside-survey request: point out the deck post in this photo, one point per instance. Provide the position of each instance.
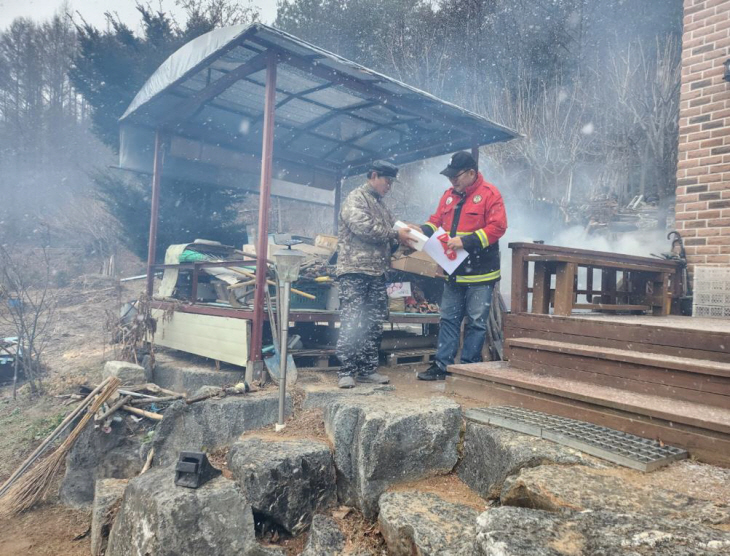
(154, 212)
(267, 155)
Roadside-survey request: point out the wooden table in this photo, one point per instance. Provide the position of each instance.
(647, 285)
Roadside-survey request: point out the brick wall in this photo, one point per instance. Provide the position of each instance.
(703, 170)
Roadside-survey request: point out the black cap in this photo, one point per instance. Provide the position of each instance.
(384, 168)
(459, 162)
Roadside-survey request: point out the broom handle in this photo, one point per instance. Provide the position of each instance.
(59, 429)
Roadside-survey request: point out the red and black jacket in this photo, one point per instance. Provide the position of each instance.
(477, 215)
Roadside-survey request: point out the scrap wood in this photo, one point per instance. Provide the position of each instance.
(51, 437)
(148, 401)
(272, 283)
(155, 389)
(34, 485)
(148, 461)
(109, 412)
(142, 412)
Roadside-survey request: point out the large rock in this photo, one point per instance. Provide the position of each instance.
(325, 538)
(320, 395)
(107, 494)
(128, 373)
(188, 379)
(422, 524)
(210, 424)
(98, 455)
(161, 519)
(380, 441)
(491, 454)
(286, 481)
(553, 488)
(508, 531)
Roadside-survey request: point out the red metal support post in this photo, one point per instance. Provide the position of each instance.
(267, 156)
(154, 214)
(475, 151)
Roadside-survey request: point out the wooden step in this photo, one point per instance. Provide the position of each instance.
(701, 429)
(693, 380)
(671, 335)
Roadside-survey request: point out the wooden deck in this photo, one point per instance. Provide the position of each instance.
(657, 377)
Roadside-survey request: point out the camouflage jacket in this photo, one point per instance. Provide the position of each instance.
(366, 237)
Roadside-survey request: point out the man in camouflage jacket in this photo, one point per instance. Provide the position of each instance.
(365, 244)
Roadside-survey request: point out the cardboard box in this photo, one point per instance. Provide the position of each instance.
(326, 242)
(416, 263)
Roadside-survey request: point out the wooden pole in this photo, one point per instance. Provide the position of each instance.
(267, 156)
(154, 213)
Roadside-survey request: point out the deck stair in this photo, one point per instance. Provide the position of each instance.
(639, 381)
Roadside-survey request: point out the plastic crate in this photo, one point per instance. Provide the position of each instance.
(320, 291)
(711, 297)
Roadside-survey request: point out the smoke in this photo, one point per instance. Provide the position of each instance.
(421, 187)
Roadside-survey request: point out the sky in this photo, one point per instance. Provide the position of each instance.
(93, 10)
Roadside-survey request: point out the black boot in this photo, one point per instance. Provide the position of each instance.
(434, 372)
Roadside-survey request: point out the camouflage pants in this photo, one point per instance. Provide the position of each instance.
(363, 309)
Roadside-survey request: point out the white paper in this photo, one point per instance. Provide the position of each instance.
(420, 238)
(398, 289)
(435, 250)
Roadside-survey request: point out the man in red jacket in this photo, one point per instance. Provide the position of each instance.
(472, 213)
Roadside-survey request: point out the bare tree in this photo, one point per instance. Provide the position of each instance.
(29, 305)
(645, 84)
(558, 134)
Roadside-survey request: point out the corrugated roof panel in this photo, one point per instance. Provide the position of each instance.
(286, 80)
(381, 138)
(344, 127)
(335, 97)
(312, 145)
(377, 113)
(238, 54)
(299, 112)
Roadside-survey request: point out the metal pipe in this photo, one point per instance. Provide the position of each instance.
(284, 339)
(154, 212)
(267, 153)
(338, 201)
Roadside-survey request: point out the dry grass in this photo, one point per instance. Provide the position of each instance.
(34, 485)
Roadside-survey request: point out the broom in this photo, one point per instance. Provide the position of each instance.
(34, 485)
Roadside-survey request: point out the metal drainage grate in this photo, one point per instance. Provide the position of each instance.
(609, 444)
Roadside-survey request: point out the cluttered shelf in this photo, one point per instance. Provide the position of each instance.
(212, 279)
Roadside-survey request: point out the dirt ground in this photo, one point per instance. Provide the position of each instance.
(75, 356)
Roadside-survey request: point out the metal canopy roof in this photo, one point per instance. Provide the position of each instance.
(332, 116)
